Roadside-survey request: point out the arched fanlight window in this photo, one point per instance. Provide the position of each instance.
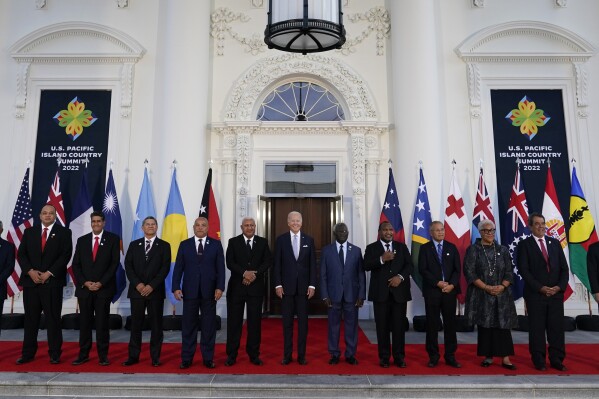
(300, 101)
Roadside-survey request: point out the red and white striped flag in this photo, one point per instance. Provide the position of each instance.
(55, 199)
(22, 218)
(457, 227)
(556, 227)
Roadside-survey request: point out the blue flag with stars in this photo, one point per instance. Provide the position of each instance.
(421, 224)
(391, 212)
(114, 224)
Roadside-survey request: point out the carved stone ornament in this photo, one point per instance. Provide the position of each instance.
(379, 23)
(248, 89)
(30, 50)
(122, 3)
(257, 3)
(40, 4)
(222, 20)
(478, 3)
(561, 3)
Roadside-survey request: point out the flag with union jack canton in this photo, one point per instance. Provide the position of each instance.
(22, 218)
(482, 207)
(516, 229)
(391, 212)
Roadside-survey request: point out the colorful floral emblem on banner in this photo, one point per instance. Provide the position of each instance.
(75, 118)
(528, 117)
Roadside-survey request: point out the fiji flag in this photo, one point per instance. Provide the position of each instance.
(420, 226)
(174, 229)
(145, 207)
(482, 207)
(114, 224)
(391, 212)
(516, 229)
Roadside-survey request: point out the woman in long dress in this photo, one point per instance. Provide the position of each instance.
(489, 302)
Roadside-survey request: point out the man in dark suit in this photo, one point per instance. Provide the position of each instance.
(7, 266)
(44, 253)
(248, 258)
(95, 261)
(199, 279)
(343, 288)
(391, 266)
(439, 266)
(295, 279)
(544, 269)
(147, 263)
(593, 269)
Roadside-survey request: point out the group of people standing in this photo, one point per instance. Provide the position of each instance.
(199, 281)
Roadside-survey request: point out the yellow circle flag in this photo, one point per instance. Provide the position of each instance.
(581, 221)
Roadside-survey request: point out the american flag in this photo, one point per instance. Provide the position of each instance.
(482, 207)
(22, 218)
(516, 229)
(55, 199)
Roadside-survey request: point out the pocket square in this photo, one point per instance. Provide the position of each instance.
(305, 246)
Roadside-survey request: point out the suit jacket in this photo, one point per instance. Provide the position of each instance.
(151, 270)
(379, 290)
(7, 265)
(533, 268)
(239, 259)
(430, 268)
(102, 270)
(201, 277)
(337, 281)
(56, 255)
(295, 276)
(593, 267)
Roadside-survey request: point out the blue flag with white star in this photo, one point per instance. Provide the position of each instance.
(114, 224)
(391, 212)
(421, 224)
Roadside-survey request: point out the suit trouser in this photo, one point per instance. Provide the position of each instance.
(350, 327)
(235, 307)
(546, 314)
(46, 298)
(192, 323)
(89, 305)
(445, 304)
(389, 317)
(138, 314)
(289, 306)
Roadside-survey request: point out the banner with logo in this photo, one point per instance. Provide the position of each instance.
(73, 127)
(529, 125)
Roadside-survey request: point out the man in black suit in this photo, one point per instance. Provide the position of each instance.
(295, 278)
(199, 280)
(248, 258)
(7, 266)
(593, 269)
(543, 267)
(439, 266)
(44, 253)
(390, 265)
(147, 263)
(95, 262)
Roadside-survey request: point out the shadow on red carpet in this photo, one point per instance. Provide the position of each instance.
(579, 358)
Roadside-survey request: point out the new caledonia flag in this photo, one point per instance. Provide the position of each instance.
(391, 212)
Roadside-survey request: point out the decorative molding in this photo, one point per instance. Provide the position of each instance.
(122, 3)
(379, 22)
(582, 81)
(28, 51)
(358, 155)
(478, 3)
(474, 82)
(257, 3)
(243, 167)
(245, 95)
(221, 21)
(561, 3)
(40, 4)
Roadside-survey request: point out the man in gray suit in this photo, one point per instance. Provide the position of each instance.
(343, 287)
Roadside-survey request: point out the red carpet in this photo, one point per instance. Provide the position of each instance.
(580, 358)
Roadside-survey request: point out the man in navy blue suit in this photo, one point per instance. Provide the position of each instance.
(294, 276)
(343, 287)
(201, 260)
(7, 265)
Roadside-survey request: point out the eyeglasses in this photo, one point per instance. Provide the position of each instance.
(488, 231)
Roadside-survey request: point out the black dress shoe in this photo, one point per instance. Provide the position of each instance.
(286, 361)
(351, 360)
(384, 363)
(432, 363)
(302, 361)
(104, 362)
(540, 367)
(54, 360)
(130, 362)
(185, 364)
(23, 360)
(508, 366)
(80, 360)
(230, 361)
(558, 366)
(256, 361)
(156, 363)
(453, 363)
(486, 363)
(209, 364)
(334, 360)
(401, 364)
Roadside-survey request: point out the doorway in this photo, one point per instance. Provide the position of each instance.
(319, 214)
